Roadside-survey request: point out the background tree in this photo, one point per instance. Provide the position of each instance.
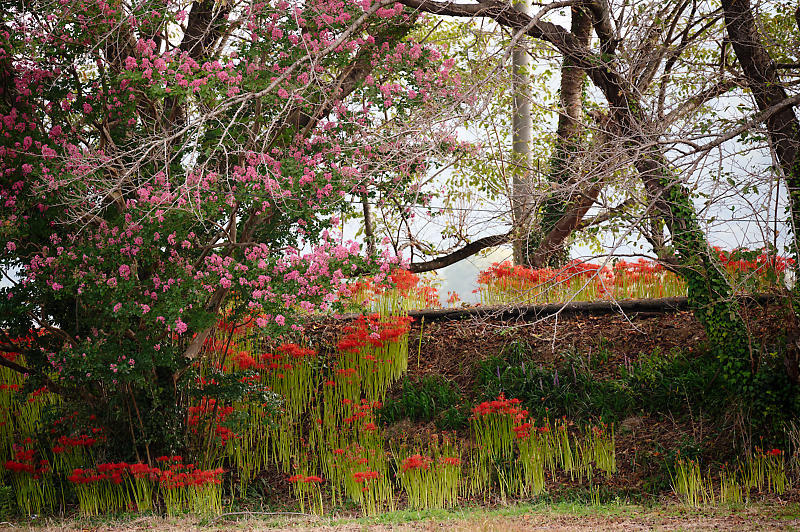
(627, 73)
(771, 97)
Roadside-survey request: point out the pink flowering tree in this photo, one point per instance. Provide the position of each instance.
(164, 163)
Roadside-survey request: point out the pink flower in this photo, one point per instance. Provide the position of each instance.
(11, 246)
(117, 307)
(282, 93)
(180, 326)
(87, 108)
(280, 320)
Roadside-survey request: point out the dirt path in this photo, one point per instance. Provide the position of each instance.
(574, 518)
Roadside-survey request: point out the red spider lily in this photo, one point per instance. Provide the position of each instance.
(36, 393)
(310, 479)
(228, 327)
(453, 298)
(66, 443)
(112, 467)
(450, 460)
(243, 361)
(373, 330)
(204, 412)
(295, 351)
(10, 356)
(523, 431)
(173, 479)
(404, 280)
(86, 476)
(365, 476)
(143, 471)
(20, 467)
(501, 405)
(416, 461)
(24, 460)
(215, 345)
(177, 459)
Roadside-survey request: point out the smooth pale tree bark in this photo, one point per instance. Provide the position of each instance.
(521, 140)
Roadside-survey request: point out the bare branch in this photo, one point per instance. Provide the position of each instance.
(462, 253)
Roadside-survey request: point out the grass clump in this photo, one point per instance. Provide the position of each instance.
(425, 399)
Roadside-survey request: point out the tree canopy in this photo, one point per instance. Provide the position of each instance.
(164, 164)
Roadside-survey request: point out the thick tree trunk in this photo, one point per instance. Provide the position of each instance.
(783, 126)
(562, 213)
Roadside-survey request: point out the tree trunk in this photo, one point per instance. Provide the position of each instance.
(783, 127)
(521, 138)
(369, 226)
(562, 212)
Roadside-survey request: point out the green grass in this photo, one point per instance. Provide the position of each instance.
(429, 398)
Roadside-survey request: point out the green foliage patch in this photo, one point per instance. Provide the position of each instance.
(428, 398)
(673, 383)
(679, 383)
